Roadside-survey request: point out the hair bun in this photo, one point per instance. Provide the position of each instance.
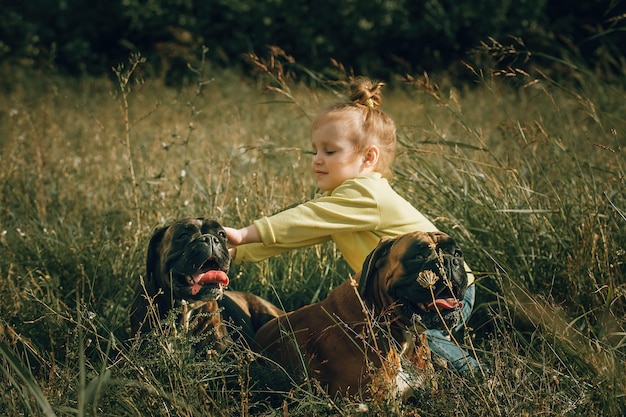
(366, 92)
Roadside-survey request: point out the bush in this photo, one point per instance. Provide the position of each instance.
(379, 38)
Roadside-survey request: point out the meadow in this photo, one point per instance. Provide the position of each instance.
(524, 169)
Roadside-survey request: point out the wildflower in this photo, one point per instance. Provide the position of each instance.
(427, 279)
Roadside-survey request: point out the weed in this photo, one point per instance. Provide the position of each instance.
(525, 169)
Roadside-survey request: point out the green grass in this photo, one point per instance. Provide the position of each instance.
(526, 172)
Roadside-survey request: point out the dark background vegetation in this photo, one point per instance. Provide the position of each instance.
(374, 37)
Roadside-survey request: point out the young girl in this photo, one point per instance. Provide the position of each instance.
(354, 146)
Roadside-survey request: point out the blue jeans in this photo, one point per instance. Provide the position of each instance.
(441, 345)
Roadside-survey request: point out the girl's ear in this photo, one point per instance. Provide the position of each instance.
(371, 155)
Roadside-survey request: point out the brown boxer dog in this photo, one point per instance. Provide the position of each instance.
(364, 326)
(186, 268)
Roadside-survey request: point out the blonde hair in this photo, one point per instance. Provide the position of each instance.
(371, 125)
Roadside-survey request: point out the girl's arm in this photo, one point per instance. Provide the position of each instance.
(351, 208)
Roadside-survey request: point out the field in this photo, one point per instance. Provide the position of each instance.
(526, 172)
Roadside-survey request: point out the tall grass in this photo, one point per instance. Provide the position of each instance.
(525, 171)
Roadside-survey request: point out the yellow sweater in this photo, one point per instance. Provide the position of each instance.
(355, 215)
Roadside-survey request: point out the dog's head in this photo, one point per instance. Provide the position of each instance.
(189, 260)
(421, 273)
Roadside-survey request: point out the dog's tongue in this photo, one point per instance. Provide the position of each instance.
(447, 303)
(209, 277)
(212, 277)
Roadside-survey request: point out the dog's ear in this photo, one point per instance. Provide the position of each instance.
(371, 264)
(152, 259)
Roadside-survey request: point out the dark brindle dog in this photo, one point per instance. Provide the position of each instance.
(186, 268)
(408, 284)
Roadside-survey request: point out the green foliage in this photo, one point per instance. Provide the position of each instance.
(380, 38)
(525, 171)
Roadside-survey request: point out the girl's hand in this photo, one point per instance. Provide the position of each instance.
(234, 236)
(238, 237)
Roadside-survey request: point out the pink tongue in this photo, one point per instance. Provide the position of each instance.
(447, 303)
(209, 277)
(212, 277)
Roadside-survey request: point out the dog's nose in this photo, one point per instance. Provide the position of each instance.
(452, 263)
(209, 238)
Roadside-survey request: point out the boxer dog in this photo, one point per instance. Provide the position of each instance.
(186, 269)
(362, 329)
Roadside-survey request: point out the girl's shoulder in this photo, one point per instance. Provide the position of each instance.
(372, 185)
(373, 179)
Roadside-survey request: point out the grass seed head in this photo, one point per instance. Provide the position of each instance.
(427, 279)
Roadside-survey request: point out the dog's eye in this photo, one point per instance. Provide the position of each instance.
(458, 253)
(222, 234)
(419, 257)
(183, 236)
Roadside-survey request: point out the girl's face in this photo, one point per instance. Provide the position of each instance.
(335, 158)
